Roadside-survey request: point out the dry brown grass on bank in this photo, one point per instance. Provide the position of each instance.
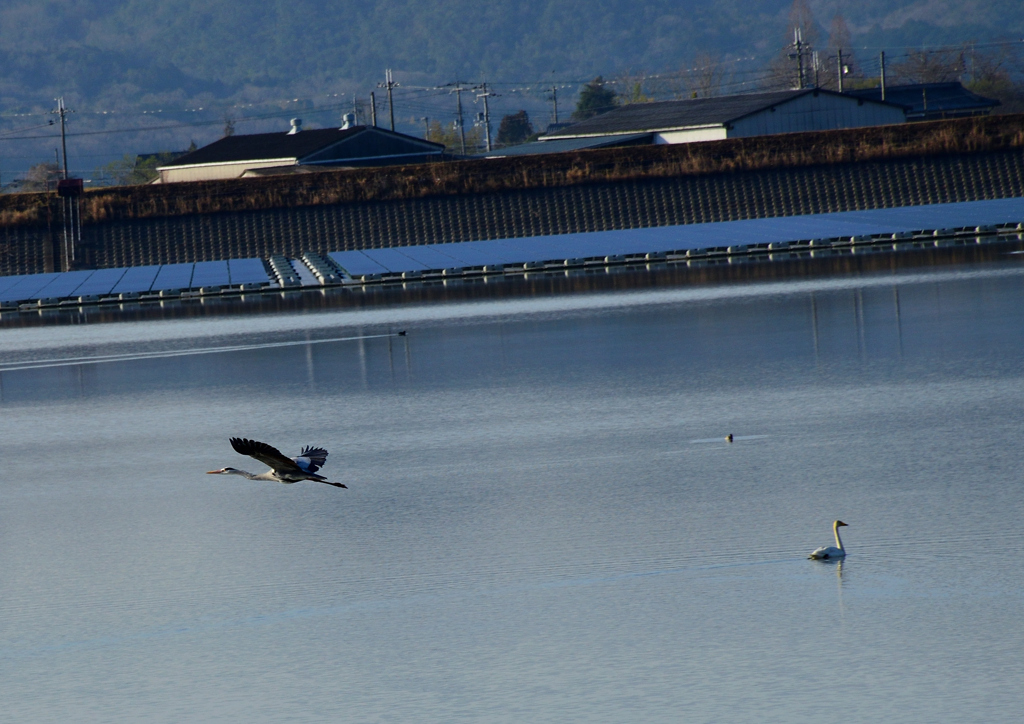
(971, 135)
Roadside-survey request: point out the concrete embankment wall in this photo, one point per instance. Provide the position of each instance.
(636, 203)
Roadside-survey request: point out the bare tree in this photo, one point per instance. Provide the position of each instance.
(997, 73)
(632, 88)
(801, 17)
(448, 134)
(839, 39)
(41, 177)
(929, 66)
(708, 75)
(802, 37)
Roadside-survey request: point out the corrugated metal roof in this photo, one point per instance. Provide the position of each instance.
(571, 144)
(694, 112)
(940, 98)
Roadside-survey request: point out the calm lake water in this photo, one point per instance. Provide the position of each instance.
(544, 522)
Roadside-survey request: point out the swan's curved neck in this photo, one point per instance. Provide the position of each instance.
(839, 541)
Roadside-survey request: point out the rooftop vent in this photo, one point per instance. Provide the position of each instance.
(296, 126)
(347, 121)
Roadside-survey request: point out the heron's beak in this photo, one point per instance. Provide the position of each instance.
(213, 472)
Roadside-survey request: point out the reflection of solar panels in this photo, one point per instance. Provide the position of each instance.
(881, 224)
(247, 271)
(173, 276)
(136, 280)
(210, 274)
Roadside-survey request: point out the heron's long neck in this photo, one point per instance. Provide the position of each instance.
(839, 541)
(244, 474)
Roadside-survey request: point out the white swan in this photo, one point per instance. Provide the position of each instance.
(827, 552)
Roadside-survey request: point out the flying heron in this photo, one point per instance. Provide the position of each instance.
(282, 469)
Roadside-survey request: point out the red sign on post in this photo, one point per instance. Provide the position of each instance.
(70, 187)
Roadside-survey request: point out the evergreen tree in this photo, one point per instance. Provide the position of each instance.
(135, 170)
(594, 100)
(515, 128)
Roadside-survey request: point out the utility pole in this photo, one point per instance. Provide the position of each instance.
(881, 65)
(69, 192)
(355, 108)
(373, 108)
(487, 112)
(800, 50)
(840, 70)
(554, 101)
(462, 128)
(426, 128)
(62, 112)
(814, 60)
(389, 84)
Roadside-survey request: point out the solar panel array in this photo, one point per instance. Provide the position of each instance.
(100, 282)
(513, 251)
(210, 274)
(26, 287)
(132, 280)
(499, 252)
(136, 279)
(247, 271)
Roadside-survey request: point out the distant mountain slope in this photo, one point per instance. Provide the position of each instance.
(128, 49)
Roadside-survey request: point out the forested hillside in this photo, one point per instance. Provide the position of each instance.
(125, 49)
(232, 58)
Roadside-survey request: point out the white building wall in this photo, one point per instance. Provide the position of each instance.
(822, 112)
(715, 133)
(214, 171)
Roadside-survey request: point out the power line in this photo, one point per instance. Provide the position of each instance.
(170, 126)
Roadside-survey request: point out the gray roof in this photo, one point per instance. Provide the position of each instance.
(301, 145)
(571, 144)
(931, 100)
(666, 115)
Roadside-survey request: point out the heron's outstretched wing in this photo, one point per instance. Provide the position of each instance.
(311, 458)
(266, 454)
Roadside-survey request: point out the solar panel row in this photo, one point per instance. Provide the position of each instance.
(499, 252)
(679, 238)
(100, 282)
(27, 287)
(173, 276)
(123, 280)
(210, 274)
(247, 271)
(136, 280)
